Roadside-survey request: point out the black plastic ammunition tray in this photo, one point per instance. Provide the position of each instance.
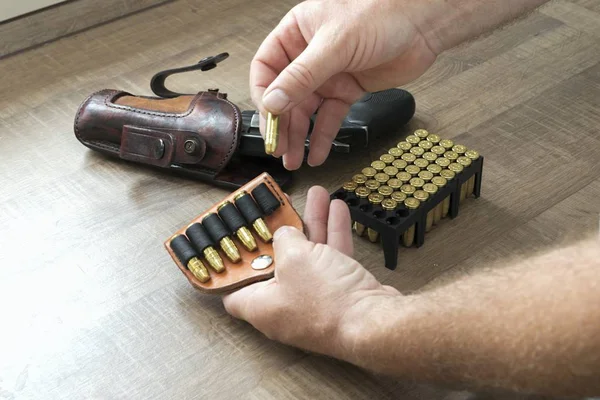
(389, 226)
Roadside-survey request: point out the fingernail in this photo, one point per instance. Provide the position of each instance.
(280, 232)
(276, 101)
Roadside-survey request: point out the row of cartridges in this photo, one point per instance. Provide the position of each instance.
(411, 173)
(217, 230)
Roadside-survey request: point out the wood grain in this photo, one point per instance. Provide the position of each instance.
(95, 307)
(54, 22)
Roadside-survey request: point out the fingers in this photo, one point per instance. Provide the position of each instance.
(327, 125)
(316, 214)
(241, 304)
(339, 228)
(286, 238)
(304, 75)
(299, 124)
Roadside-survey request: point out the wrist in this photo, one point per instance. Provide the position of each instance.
(372, 329)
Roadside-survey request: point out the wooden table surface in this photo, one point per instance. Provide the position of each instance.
(93, 306)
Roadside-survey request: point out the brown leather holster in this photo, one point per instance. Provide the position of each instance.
(193, 135)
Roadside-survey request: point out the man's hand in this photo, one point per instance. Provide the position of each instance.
(325, 55)
(316, 285)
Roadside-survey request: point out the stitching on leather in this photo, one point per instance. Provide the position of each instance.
(81, 107)
(268, 182)
(157, 114)
(235, 132)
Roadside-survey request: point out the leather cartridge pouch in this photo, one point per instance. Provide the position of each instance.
(196, 135)
(244, 272)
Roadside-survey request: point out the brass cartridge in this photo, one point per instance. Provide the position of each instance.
(431, 189)
(390, 171)
(446, 144)
(404, 146)
(403, 176)
(413, 170)
(369, 172)
(433, 138)
(434, 169)
(417, 151)
(451, 155)
(385, 190)
(409, 158)
(473, 155)
(362, 192)
(394, 183)
(398, 197)
(440, 183)
(459, 149)
(408, 190)
(271, 134)
(442, 162)
(396, 152)
(427, 176)
(413, 140)
(417, 182)
(438, 150)
(350, 186)
(400, 164)
(359, 179)
(378, 165)
(372, 185)
(382, 177)
(408, 237)
(421, 133)
(389, 204)
(429, 156)
(425, 145)
(375, 199)
(421, 163)
(448, 176)
(387, 158)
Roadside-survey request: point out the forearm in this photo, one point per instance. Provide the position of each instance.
(448, 23)
(531, 326)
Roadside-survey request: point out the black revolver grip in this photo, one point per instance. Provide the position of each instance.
(382, 112)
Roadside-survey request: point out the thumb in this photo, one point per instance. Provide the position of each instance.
(288, 239)
(304, 75)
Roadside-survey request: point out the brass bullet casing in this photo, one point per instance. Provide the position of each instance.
(413, 170)
(459, 149)
(464, 161)
(421, 133)
(394, 183)
(398, 197)
(425, 145)
(198, 269)
(260, 226)
(245, 236)
(427, 176)
(350, 186)
(456, 168)
(230, 249)
(389, 204)
(421, 195)
(434, 169)
(451, 155)
(403, 176)
(433, 138)
(372, 184)
(408, 237)
(387, 158)
(417, 151)
(369, 172)
(409, 158)
(214, 259)
(242, 232)
(378, 165)
(421, 163)
(429, 156)
(386, 191)
(395, 152)
(473, 155)
(271, 133)
(360, 179)
(440, 183)
(430, 189)
(448, 175)
(438, 150)
(413, 140)
(417, 183)
(362, 192)
(382, 177)
(375, 198)
(373, 235)
(446, 144)
(391, 171)
(400, 164)
(359, 228)
(404, 146)
(442, 162)
(408, 190)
